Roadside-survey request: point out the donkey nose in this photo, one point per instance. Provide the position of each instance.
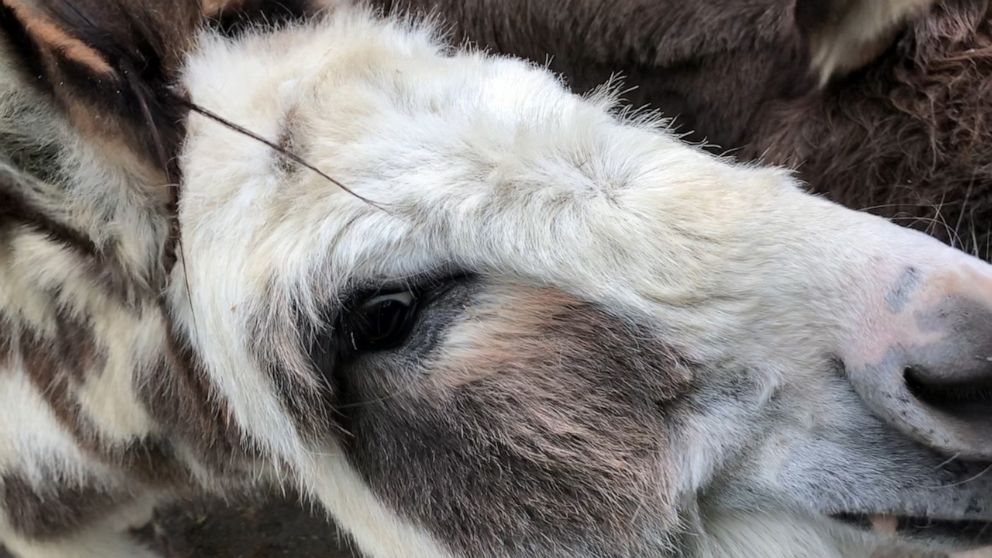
(952, 378)
(930, 374)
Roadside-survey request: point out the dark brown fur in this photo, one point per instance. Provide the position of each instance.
(45, 512)
(106, 273)
(15, 208)
(58, 365)
(131, 55)
(235, 16)
(910, 137)
(121, 88)
(669, 49)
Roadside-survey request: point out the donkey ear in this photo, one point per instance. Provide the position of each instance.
(111, 64)
(845, 35)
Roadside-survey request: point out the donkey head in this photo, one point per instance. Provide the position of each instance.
(488, 317)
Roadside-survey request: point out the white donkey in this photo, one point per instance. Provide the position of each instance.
(466, 312)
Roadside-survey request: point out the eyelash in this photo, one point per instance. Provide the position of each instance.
(383, 319)
(381, 322)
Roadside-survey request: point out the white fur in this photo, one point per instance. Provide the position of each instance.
(491, 165)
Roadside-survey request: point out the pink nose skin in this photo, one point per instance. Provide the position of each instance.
(924, 363)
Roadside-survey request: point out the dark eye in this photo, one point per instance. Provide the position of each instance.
(381, 322)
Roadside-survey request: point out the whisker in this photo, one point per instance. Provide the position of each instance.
(947, 461)
(964, 203)
(276, 147)
(407, 388)
(967, 480)
(933, 206)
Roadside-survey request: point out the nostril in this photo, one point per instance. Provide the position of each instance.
(968, 399)
(929, 373)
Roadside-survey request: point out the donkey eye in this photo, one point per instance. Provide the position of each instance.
(381, 322)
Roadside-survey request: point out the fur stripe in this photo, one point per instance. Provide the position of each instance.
(15, 207)
(58, 367)
(178, 393)
(103, 266)
(45, 512)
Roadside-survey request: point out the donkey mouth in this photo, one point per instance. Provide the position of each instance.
(968, 532)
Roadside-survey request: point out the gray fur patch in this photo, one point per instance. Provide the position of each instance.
(904, 288)
(545, 437)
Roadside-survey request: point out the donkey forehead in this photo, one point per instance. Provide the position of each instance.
(349, 81)
(389, 116)
(469, 162)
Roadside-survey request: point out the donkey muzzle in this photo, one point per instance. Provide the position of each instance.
(923, 359)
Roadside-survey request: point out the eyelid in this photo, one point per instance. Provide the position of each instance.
(405, 298)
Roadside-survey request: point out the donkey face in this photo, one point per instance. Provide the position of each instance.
(531, 326)
(550, 330)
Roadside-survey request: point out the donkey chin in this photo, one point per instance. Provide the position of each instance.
(466, 312)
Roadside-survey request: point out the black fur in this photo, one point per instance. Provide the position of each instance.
(140, 41)
(234, 18)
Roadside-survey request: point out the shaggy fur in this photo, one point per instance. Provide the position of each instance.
(905, 137)
(910, 136)
(459, 308)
